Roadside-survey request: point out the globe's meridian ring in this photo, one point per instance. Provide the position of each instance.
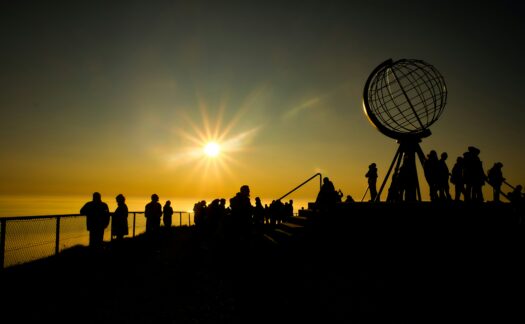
(395, 115)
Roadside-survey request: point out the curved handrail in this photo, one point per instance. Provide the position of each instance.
(305, 182)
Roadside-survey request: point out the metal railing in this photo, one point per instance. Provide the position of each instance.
(29, 238)
(305, 182)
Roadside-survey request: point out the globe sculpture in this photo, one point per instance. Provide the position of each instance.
(402, 99)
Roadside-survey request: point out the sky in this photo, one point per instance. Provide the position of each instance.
(122, 96)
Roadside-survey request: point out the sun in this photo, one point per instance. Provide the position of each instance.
(212, 149)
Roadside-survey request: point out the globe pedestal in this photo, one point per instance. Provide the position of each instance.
(404, 184)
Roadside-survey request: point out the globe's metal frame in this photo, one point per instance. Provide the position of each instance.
(402, 100)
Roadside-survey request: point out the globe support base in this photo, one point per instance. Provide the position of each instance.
(404, 185)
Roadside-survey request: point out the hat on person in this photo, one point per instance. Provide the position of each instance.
(473, 149)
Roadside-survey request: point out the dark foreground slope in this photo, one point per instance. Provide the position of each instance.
(360, 263)
(423, 262)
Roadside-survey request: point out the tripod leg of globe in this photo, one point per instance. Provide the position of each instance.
(418, 190)
(365, 193)
(420, 154)
(408, 170)
(422, 160)
(396, 156)
(394, 189)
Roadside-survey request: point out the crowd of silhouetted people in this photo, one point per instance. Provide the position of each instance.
(468, 177)
(241, 220)
(98, 218)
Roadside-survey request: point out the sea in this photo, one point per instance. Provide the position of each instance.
(37, 205)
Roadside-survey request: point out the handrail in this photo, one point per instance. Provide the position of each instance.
(57, 218)
(500, 191)
(11, 218)
(512, 187)
(302, 184)
(508, 184)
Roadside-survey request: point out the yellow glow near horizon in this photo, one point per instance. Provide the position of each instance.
(212, 149)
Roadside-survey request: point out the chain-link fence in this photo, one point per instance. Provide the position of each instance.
(24, 239)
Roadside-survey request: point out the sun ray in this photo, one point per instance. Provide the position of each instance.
(219, 118)
(208, 153)
(198, 136)
(205, 118)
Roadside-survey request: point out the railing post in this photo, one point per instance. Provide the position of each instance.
(180, 219)
(3, 226)
(134, 220)
(57, 238)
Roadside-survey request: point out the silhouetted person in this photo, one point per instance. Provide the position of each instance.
(272, 213)
(153, 213)
(431, 171)
(349, 199)
(242, 213)
(199, 214)
(327, 196)
(407, 180)
(222, 220)
(213, 231)
(119, 220)
(224, 216)
(442, 178)
(167, 213)
(515, 196)
(201, 222)
(288, 210)
(97, 219)
(495, 179)
(456, 178)
(340, 195)
(518, 203)
(372, 181)
(258, 215)
(280, 211)
(473, 174)
(222, 205)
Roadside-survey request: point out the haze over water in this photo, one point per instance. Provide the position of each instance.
(33, 205)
